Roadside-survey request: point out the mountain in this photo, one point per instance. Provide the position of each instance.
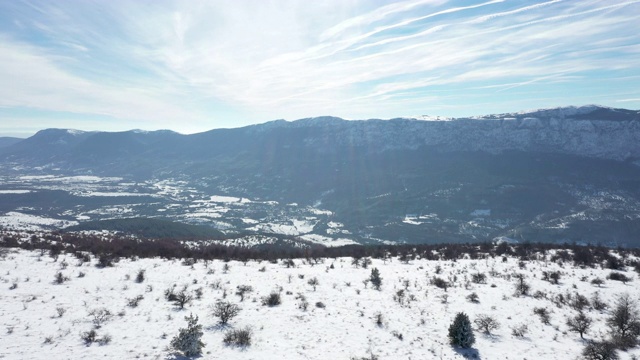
(563, 174)
(8, 141)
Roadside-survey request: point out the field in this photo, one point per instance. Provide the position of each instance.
(48, 304)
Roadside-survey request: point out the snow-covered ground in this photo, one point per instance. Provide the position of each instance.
(345, 327)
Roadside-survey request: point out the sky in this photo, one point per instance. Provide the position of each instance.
(193, 65)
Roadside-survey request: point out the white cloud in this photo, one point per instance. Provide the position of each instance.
(202, 60)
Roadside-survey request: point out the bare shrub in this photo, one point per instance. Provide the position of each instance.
(303, 304)
(598, 303)
(473, 297)
(225, 311)
(313, 282)
(60, 311)
(241, 290)
(89, 337)
(486, 323)
(100, 316)
(600, 350)
(59, 278)
(133, 302)
(543, 313)
(238, 337)
(520, 330)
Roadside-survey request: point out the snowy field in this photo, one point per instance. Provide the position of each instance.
(44, 320)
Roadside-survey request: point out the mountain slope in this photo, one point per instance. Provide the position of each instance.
(564, 174)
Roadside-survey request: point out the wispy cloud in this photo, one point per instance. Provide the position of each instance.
(197, 65)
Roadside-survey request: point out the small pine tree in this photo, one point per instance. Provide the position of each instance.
(375, 278)
(188, 340)
(460, 331)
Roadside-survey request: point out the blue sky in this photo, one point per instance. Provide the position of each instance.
(195, 65)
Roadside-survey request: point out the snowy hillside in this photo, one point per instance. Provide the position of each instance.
(45, 314)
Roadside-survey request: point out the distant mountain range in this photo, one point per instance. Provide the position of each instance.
(8, 141)
(563, 174)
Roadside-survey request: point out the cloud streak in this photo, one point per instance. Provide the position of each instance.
(197, 65)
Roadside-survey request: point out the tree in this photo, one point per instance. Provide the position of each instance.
(579, 323)
(242, 290)
(625, 322)
(188, 340)
(225, 311)
(375, 278)
(314, 282)
(522, 288)
(460, 331)
(182, 298)
(486, 323)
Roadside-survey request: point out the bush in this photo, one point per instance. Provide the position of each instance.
(551, 276)
(303, 304)
(486, 323)
(371, 356)
(544, 315)
(479, 278)
(439, 282)
(59, 278)
(520, 330)
(579, 302)
(618, 276)
(460, 331)
(598, 303)
(188, 340)
(140, 276)
(133, 302)
(89, 336)
(379, 319)
(238, 337)
(105, 260)
(473, 297)
(272, 300)
(225, 311)
(100, 316)
(600, 350)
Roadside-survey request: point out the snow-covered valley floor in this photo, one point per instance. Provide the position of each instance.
(43, 320)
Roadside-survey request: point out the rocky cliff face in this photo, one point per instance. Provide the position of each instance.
(589, 131)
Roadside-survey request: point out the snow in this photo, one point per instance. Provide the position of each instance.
(327, 241)
(228, 199)
(21, 221)
(345, 328)
(14, 192)
(481, 212)
(110, 194)
(293, 227)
